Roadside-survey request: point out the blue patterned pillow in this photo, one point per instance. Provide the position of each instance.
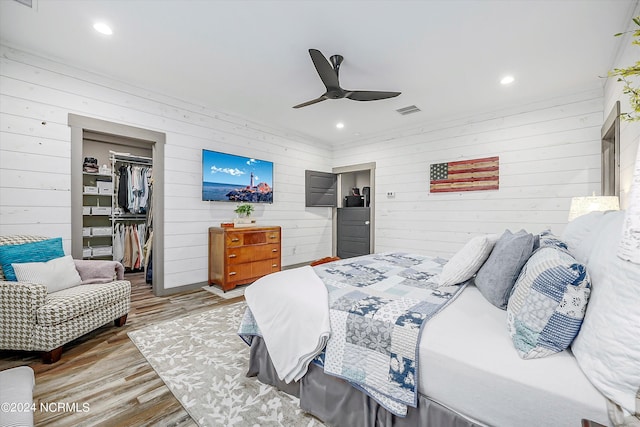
(548, 303)
(548, 239)
(42, 251)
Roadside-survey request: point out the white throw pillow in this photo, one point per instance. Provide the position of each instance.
(56, 275)
(608, 345)
(468, 260)
(580, 233)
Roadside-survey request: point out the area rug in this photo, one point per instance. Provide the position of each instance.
(233, 293)
(203, 362)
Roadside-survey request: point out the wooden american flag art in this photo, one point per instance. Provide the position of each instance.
(465, 175)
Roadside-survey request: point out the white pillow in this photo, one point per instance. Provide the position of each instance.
(608, 345)
(580, 233)
(56, 275)
(468, 260)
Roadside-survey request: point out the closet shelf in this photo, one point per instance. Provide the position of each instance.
(142, 217)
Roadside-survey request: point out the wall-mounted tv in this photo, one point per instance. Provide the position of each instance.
(231, 178)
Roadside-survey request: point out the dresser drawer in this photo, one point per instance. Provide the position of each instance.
(248, 238)
(251, 271)
(239, 255)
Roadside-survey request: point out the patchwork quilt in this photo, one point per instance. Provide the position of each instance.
(378, 306)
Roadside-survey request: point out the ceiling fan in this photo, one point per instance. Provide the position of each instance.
(329, 75)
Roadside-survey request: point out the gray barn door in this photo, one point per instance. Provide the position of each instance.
(320, 188)
(353, 232)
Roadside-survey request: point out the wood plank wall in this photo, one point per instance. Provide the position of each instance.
(548, 151)
(37, 94)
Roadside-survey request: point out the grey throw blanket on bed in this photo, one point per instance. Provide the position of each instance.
(378, 307)
(99, 271)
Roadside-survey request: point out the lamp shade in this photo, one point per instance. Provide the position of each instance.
(583, 205)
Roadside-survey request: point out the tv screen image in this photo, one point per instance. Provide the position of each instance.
(228, 177)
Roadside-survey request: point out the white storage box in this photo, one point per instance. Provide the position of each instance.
(86, 252)
(86, 231)
(101, 210)
(101, 231)
(89, 189)
(86, 210)
(101, 250)
(105, 187)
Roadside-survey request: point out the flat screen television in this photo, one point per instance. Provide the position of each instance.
(231, 178)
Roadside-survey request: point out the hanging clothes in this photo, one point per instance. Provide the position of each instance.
(118, 242)
(133, 188)
(123, 184)
(126, 258)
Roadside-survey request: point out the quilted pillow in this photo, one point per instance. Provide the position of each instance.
(42, 251)
(466, 262)
(548, 303)
(548, 239)
(56, 274)
(496, 277)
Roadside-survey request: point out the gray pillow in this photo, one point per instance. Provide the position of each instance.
(499, 273)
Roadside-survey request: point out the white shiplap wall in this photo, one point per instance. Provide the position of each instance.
(36, 96)
(548, 151)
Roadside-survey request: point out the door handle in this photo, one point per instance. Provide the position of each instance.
(366, 223)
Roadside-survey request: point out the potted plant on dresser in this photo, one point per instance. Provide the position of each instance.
(244, 212)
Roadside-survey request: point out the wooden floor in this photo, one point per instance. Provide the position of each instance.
(104, 372)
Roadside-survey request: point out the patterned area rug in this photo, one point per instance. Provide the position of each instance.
(203, 362)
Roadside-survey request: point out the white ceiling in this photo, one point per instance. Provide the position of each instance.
(250, 58)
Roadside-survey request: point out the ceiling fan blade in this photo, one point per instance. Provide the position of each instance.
(326, 72)
(370, 95)
(313, 101)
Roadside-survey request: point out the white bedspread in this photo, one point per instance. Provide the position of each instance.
(298, 299)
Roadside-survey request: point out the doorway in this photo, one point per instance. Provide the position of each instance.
(145, 139)
(354, 215)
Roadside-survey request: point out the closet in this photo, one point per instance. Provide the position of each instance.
(117, 221)
(131, 209)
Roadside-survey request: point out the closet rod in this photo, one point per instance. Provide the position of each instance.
(137, 162)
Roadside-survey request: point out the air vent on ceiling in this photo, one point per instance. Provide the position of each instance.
(408, 110)
(28, 3)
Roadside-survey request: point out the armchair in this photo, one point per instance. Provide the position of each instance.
(33, 319)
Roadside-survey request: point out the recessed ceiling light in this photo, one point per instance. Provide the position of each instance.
(102, 28)
(507, 80)
(339, 125)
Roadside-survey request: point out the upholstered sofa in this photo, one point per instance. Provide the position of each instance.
(37, 317)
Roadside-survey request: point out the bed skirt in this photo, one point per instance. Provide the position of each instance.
(336, 403)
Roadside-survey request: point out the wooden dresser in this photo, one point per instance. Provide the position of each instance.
(239, 256)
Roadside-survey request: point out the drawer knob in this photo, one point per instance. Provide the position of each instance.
(273, 236)
(235, 239)
(233, 256)
(233, 273)
(274, 250)
(274, 265)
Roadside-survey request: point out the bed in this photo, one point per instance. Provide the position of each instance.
(468, 371)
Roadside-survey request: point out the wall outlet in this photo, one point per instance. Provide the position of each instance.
(391, 194)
